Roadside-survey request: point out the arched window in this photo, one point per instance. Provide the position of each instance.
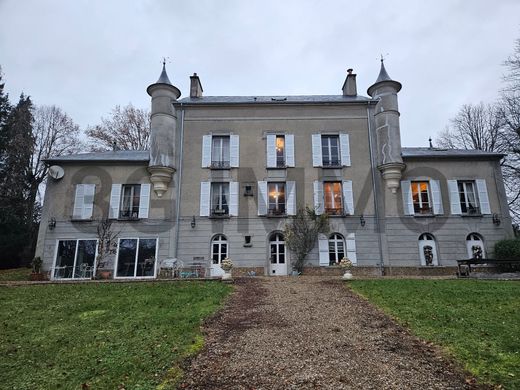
(475, 246)
(428, 249)
(218, 248)
(336, 248)
(277, 248)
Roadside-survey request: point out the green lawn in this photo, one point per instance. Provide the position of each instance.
(477, 322)
(106, 335)
(14, 274)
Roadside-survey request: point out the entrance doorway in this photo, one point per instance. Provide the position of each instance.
(277, 255)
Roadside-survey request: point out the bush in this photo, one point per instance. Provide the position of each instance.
(508, 250)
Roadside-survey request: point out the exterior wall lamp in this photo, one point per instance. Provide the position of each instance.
(193, 222)
(52, 223)
(362, 220)
(496, 219)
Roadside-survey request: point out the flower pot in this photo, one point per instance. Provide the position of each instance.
(347, 275)
(105, 275)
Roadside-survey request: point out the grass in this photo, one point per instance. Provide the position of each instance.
(14, 274)
(477, 322)
(102, 336)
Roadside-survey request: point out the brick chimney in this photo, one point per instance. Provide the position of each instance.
(349, 86)
(195, 87)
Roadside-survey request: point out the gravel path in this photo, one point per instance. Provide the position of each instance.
(312, 333)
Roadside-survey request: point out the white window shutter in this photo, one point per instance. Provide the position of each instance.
(271, 150)
(234, 151)
(78, 202)
(233, 198)
(407, 197)
(323, 247)
(291, 197)
(205, 189)
(318, 197)
(289, 150)
(436, 197)
(351, 247)
(206, 151)
(344, 147)
(317, 160)
(348, 197)
(262, 198)
(115, 200)
(453, 190)
(144, 201)
(483, 196)
(88, 200)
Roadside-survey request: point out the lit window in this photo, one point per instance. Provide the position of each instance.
(332, 192)
(336, 249)
(280, 151)
(468, 198)
(330, 150)
(276, 198)
(220, 198)
(421, 197)
(130, 198)
(220, 152)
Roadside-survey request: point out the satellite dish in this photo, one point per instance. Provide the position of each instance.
(56, 172)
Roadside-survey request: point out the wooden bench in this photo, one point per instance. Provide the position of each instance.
(469, 262)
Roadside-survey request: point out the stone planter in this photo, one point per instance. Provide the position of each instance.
(347, 275)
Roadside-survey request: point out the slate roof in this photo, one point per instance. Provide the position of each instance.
(301, 99)
(447, 153)
(118, 155)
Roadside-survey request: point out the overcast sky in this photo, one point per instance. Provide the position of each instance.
(88, 56)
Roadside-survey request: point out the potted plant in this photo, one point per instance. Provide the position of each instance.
(36, 273)
(226, 265)
(346, 266)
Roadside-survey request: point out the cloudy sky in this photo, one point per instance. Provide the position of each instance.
(87, 56)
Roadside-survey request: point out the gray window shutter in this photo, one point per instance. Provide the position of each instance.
(291, 197)
(317, 160)
(233, 198)
(318, 197)
(144, 201)
(115, 200)
(262, 198)
(453, 190)
(271, 150)
(407, 197)
(88, 200)
(436, 197)
(205, 189)
(78, 202)
(323, 247)
(289, 150)
(206, 151)
(351, 247)
(483, 196)
(348, 197)
(344, 147)
(234, 152)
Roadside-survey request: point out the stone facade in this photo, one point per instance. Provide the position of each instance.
(224, 174)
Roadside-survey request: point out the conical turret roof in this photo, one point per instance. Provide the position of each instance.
(164, 82)
(163, 78)
(383, 78)
(383, 74)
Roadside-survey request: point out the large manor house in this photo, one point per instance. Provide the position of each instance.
(224, 174)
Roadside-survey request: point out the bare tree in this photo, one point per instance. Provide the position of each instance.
(107, 243)
(126, 127)
(302, 232)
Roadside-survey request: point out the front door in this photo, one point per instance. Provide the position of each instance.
(277, 255)
(219, 251)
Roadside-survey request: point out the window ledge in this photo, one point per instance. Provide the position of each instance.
(72, 219)
(215, 216)
(332, 166)
(275, 215)
(425, 215)
(248, 245)
(284, 167)
(128, 219)
(475, 215)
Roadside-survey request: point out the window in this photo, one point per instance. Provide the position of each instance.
(421, 197)
(277, 249)
(129, 201)
(219, 199)
(276, 198)
(130, 198)
(136, 257)
(248, 190)
(332, 192)
(336, 248)
(475, 246)
(330, 150)
(84, 201)
(220, 152)
(280, 151)
(468, 197)
(75, 259)
(218, 249)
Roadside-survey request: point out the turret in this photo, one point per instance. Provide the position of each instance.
(163, 132)
(386, 116)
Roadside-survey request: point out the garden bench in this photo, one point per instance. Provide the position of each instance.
(467, 263)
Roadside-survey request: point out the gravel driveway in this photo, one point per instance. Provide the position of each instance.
(312, 333)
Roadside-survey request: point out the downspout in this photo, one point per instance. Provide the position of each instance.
(178, 205)
(376, 204)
